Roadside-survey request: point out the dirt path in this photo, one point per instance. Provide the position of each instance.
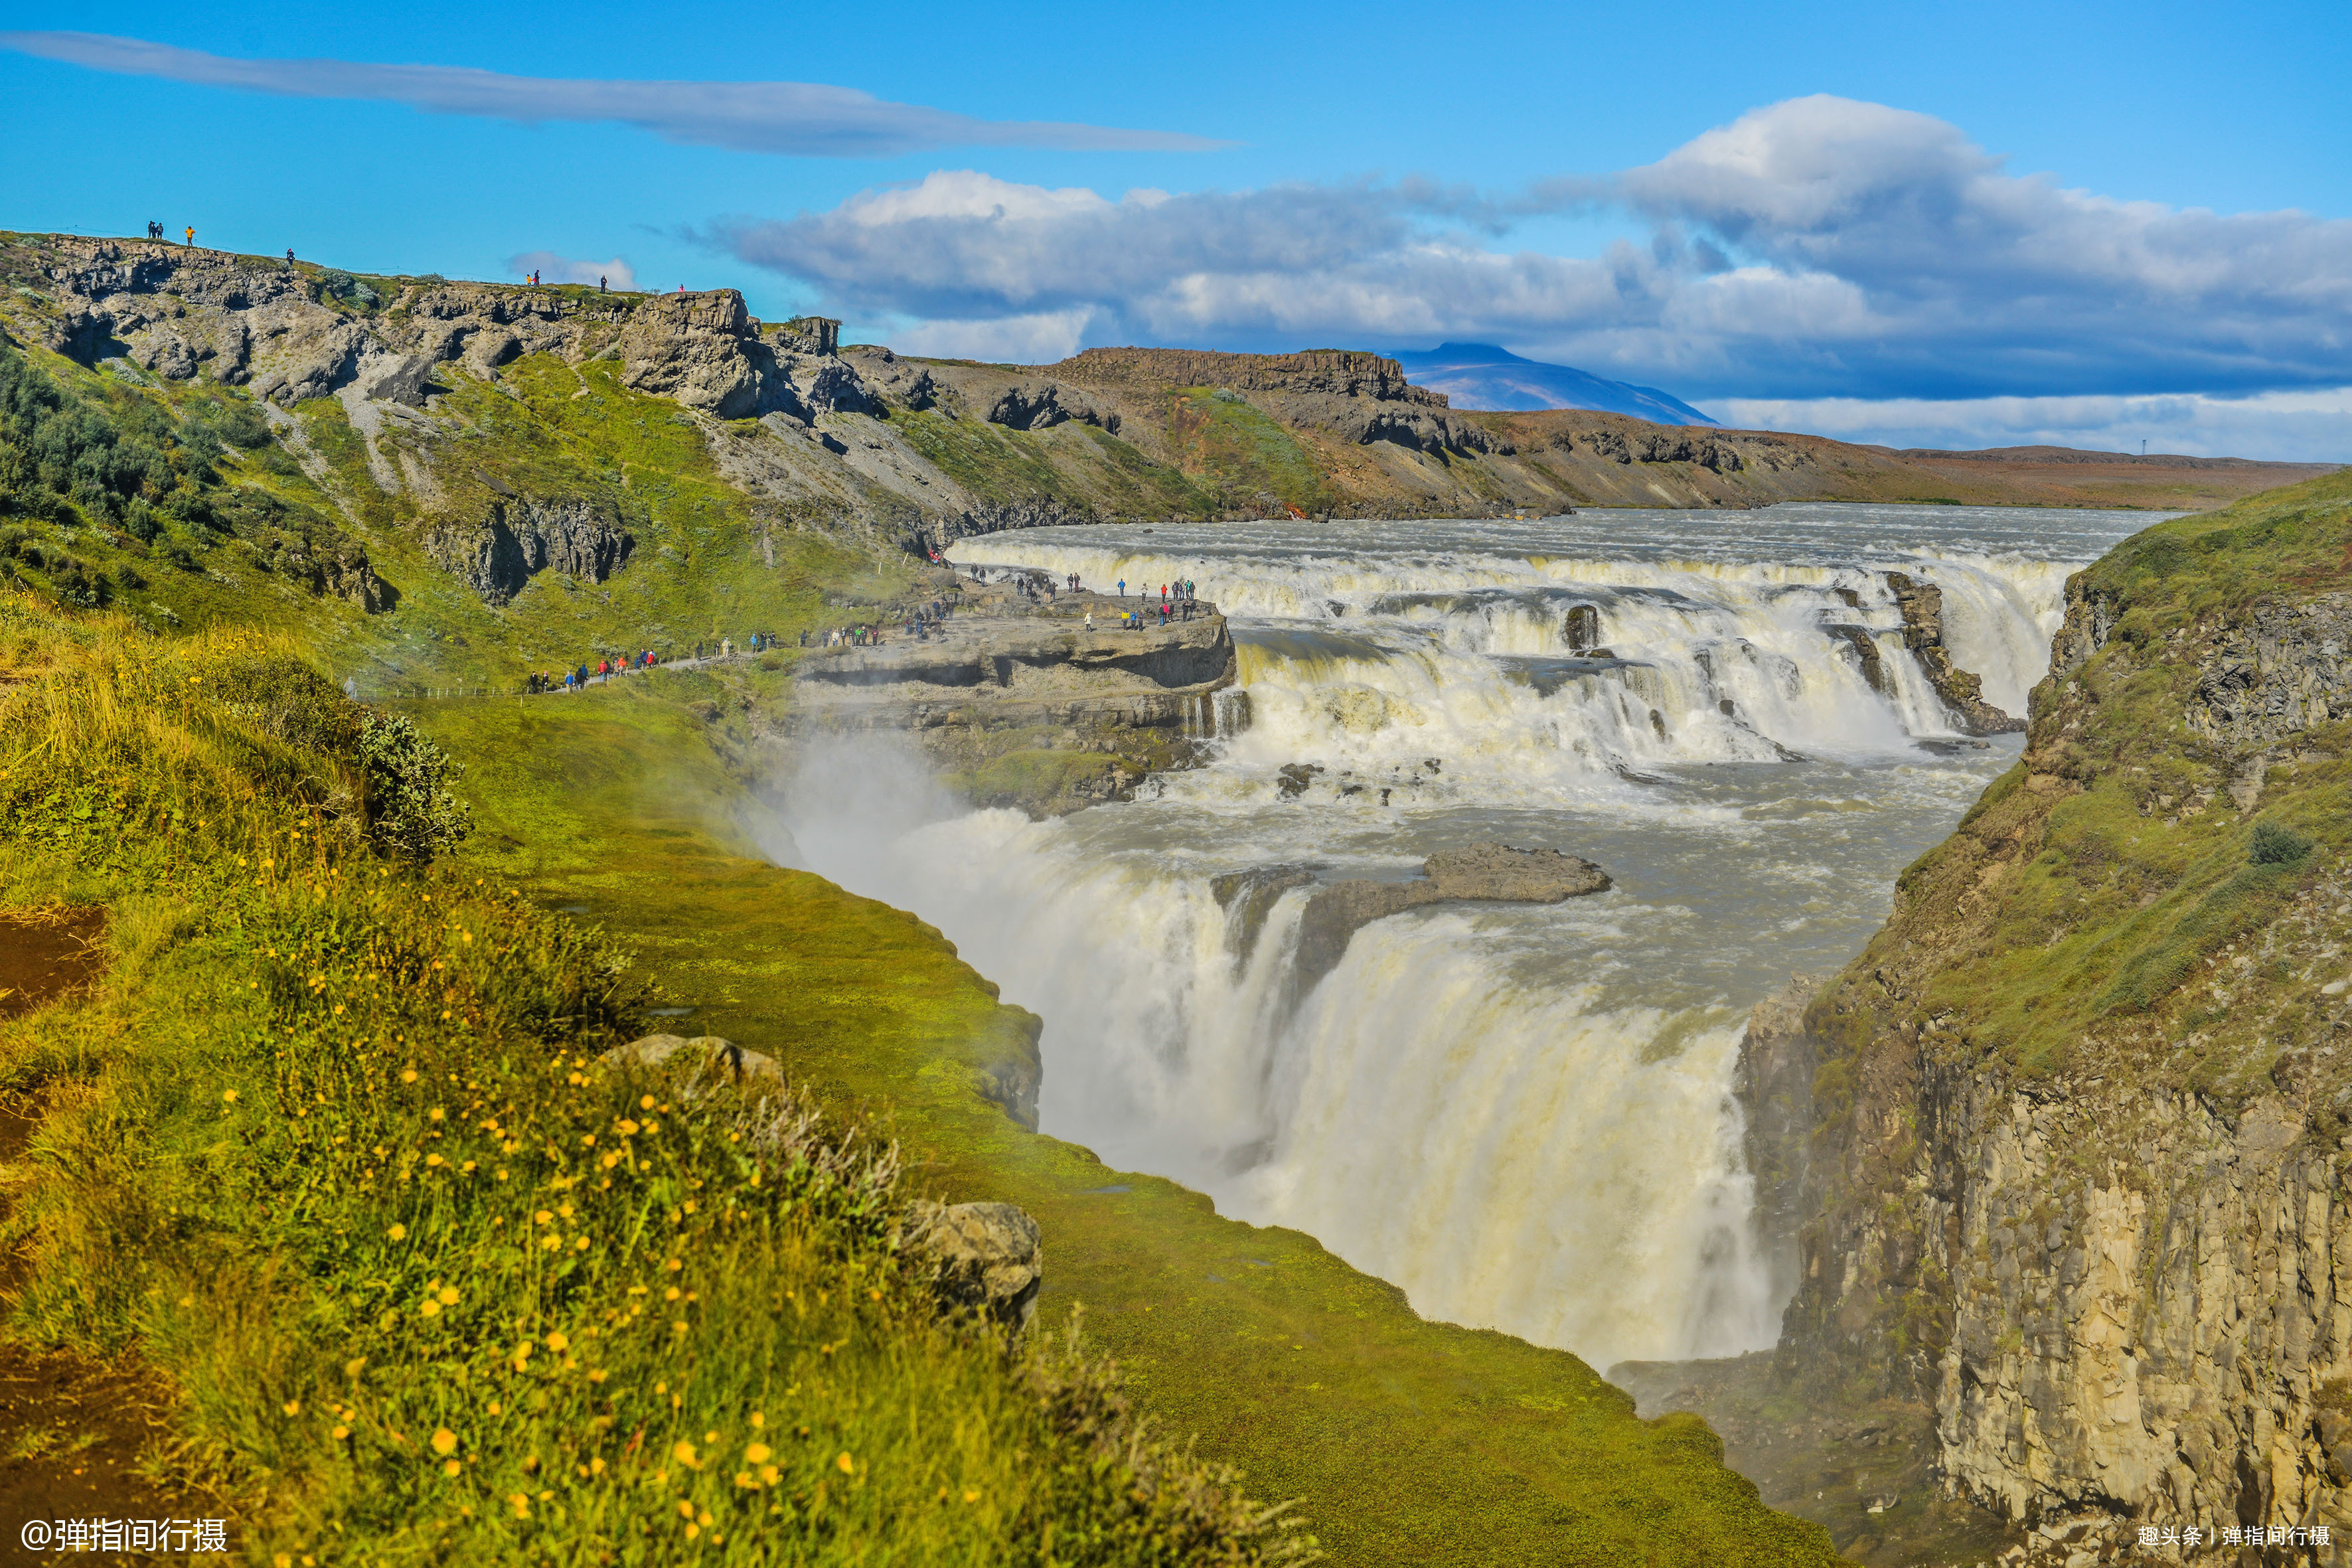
(72, 1433)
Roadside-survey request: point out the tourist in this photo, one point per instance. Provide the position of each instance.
(1122, 587)
(192, 236)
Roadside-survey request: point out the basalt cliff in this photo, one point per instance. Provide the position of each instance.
(2059, 1163)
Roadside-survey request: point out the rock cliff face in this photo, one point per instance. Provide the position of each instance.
(498, 556)
(1922, 605)
(2081, 1116)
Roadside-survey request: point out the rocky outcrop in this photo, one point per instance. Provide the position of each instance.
(897, 383)
(1033, 405)
(497, 554)
(704, 1061)
(1865, 653)
(2280, 671)
(1420, 427)
(1922, 606)
(694, 349)
(1482, 873)
(987, 1257)
(1020, 702)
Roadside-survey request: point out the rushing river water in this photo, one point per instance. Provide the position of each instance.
(1521, 1115)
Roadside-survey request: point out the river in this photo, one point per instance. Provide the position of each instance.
(1521, 1115)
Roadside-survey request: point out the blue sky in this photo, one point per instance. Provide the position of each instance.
(1934, 224)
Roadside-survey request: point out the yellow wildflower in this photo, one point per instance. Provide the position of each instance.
(408, 1075)
(755, 1454)
(228, 1097)
(431, 1307)
(398, 1233)
(444, 1442)
(451, 1467)
(558, 1343)
(521, 1505)
(448, 1296)
(846, 1464)
(683, 1453)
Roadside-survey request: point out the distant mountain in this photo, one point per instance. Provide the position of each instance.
(1480, 376)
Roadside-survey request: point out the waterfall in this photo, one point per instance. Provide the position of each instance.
(1521, 1115)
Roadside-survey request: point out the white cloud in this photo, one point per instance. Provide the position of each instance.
(2310, 426)
(802, 119)
(1819, 248)
(1039, 338)
(616, 273)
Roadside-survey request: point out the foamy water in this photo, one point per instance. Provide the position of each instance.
(1520, 1115)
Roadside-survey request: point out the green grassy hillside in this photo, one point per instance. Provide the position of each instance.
(330, 1151)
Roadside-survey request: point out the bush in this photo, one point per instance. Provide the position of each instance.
(414, 811)
(335, 284)
(2274, 844)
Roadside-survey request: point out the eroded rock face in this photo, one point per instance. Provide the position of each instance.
(1774, 1083)
(1922, 605)
(690, 348)
(893, 380)
(2283, 671)
(1032, 404)
(497, 555)
(987, 1257)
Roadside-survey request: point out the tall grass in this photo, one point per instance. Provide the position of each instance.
(334, 1148)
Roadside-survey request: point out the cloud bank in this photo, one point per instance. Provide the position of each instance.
(801, 118)
(2312, 425)
(1819, 248)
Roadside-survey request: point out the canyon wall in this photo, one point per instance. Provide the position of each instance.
(2080, 1114)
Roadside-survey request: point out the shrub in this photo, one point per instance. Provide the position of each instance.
(414, 811)
(335, 284)
(2274, 844)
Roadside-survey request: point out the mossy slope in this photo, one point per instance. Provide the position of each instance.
(330, 1150)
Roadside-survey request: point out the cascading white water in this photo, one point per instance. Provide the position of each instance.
(1520, 1114)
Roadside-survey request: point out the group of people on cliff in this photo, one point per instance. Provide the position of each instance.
(1177, 602)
